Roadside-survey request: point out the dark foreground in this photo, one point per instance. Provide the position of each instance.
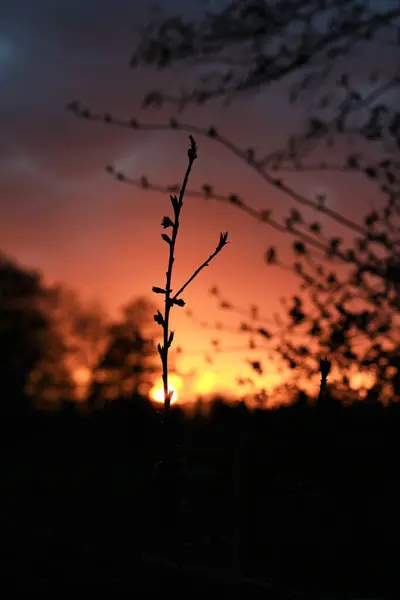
(305, 502)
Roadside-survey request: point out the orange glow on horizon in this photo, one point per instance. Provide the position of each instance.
(205, 383)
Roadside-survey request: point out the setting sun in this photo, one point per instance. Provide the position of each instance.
(175, 384)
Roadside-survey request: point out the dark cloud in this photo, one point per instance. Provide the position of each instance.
(52, 52)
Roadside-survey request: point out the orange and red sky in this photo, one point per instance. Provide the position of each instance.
(62, 213)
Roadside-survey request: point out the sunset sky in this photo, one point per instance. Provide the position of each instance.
(62, 213)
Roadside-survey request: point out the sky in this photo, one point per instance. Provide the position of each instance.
(62, 213)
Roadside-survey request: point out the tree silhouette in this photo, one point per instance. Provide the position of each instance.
(248, 44)
(129, 364)
(24, 332)
(75, 340)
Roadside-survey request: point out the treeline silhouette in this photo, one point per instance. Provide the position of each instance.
(57, 351)
(302, 499)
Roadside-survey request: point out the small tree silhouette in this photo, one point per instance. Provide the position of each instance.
(324, 367)
(128, 364)
(170, 298)
(74, 342)
(25, 330)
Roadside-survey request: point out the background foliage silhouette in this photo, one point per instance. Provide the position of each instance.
(348, 304)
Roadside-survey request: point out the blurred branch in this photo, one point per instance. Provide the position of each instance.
(246, 155)
(259, 43)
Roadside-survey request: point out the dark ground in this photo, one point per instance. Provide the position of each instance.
(315, 498)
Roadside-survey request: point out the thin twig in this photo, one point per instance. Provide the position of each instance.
(206, 263)
(170, 301)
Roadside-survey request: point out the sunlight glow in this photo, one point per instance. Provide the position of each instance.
(82, 376)
(205, 383)
(175, 383)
